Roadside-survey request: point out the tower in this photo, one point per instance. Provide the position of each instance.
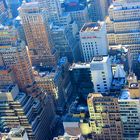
(36, 29)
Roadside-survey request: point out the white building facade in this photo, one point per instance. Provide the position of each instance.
(93, 40)
(101, 73)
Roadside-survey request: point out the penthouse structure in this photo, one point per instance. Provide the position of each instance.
(93, 40)
(123, 26)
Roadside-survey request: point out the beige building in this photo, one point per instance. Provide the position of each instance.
(129, 107)
(17, 58)
(36, 29)
(105, 120)
(123, 26)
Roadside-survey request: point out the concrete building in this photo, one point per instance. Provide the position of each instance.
(98, 9)
(81, 79)
(79, 13)
(55, 82)
(65, 43)
(93, 40)
(53, 8)
(105, 119)
(37, 33)
(7, 76)
(3, 13)
(134, 86)
(8, 35)
(101, 73)
(130, 112)
(36, 115)
(123, 26)
(88, 77)
(19, 62)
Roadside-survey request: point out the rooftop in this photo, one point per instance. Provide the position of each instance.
(79, 66)
(125, 6)
(91, 27)
(100, 59)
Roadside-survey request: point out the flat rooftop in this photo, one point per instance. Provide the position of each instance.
(125, 6)
(100, 59)
(79, 66)
(91, 27)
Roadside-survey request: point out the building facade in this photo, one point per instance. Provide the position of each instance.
(93, 40)
(36, 115)
(101, 66)
(130, 111)
(35, 24)
(105, 119)
(123, 26)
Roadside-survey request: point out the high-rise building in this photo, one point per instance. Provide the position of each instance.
(7, 76)
(101, 73)
(98, 9)
(8, 35)
(37, 33)
(19, 62)
(81, 79)
(15, 55)
(123, 26)
(130, 111)
(89, 77)
(105, 119)
(53, 8)
(12, 6)
(78, 12)
(36, 115)
(3, 13)
(93, 40)
(55, 81)
(64, 42)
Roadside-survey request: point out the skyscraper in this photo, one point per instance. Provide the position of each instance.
(53, 8)
(98, 9)
(123, 26)
(130, 111)
(19, 61)
(101, 73)
(105, 119)
(93, 40)
(12, 6)
(15, 55)
(36, 29)
(3, 12)
(78, 12)
(36, 115)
